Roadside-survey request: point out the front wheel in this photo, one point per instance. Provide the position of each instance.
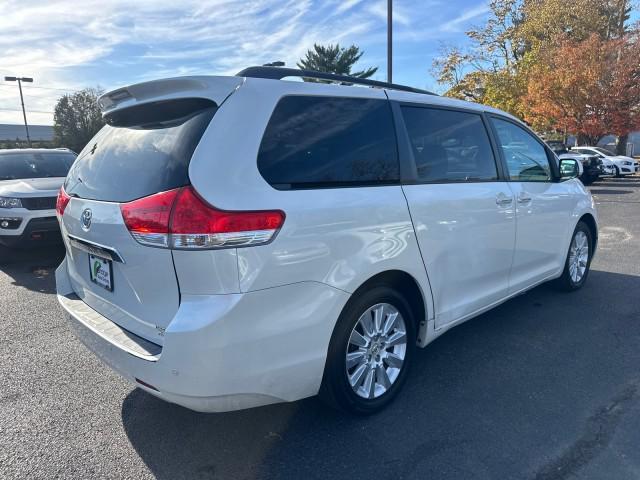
(576, 268)
(370, 352)
(588, 180)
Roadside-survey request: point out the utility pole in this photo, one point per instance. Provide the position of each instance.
(24, 114)
(389, 41)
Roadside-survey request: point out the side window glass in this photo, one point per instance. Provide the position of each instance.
(449, 145)
(328, 142)
(526, 158)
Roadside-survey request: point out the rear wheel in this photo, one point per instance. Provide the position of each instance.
(576, 268)
(370, 352)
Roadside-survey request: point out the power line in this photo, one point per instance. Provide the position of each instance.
(18, 110)
(43, 88)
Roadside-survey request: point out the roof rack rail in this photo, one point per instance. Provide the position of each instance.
(278, 73)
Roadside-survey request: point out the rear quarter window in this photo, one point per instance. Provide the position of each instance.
(325, 142)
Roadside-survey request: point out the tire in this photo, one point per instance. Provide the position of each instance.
(576, 270)
(587, 180)
(4, 254)
(375, 387)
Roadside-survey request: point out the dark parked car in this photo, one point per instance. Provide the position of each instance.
(592, 166)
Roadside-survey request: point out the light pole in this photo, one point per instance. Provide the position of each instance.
(389, 40)
(24, 115)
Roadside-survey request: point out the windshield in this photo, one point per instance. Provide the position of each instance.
(19, 165)
(604, 151)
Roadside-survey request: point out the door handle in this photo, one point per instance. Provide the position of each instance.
(524, 198)
(502, 200)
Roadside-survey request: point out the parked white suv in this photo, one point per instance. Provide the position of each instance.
(30, 179)
(239, 241)
(621, 164)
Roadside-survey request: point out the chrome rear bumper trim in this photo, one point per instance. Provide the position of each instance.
(96, 249)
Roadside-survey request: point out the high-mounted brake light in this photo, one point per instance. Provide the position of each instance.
(180, 219)
(61, 202)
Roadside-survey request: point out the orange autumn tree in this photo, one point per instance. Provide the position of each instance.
(623, 100)
(591, 88)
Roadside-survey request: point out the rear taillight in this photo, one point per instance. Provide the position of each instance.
(61, 202)
(181, 219)
(148, 218)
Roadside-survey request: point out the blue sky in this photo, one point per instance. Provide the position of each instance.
(68, 45)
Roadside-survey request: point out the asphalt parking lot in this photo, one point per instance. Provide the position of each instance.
(546, 386)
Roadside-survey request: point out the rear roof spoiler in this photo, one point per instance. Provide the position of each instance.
(212, 88)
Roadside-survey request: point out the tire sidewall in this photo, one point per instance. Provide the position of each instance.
(335, 381)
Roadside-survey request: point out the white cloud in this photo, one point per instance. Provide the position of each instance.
(345, 5)
(50, 39)
(79, 43)
(379, 9)
(458, 22)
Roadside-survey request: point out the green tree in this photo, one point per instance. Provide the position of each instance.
(489, 71)
(335, 59)
(514, 47)
(77, 118)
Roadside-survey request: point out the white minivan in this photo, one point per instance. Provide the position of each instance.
(240, 241)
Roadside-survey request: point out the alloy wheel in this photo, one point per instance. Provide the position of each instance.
(376, 350)
(578, 256)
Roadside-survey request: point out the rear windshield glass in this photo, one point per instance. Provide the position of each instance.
(124, 163)
(325, 142)
(15, 166)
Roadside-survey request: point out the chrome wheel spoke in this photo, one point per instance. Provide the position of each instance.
(356, 358)
(382, 377)
(394, 360)
(366, 321)
(357, 339)
(397, 338)
(369, 385)
(357, 376)
(390, 323)
(378, 316)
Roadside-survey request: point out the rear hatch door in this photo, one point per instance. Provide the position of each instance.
(146, 150)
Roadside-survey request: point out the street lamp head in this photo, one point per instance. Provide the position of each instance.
(15, 79)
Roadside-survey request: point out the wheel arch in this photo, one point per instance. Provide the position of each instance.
(590, 221)
(409, 287)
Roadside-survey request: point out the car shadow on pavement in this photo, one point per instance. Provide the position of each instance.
(615, 182)
(513, 393)
(600, 191)
(34, 269)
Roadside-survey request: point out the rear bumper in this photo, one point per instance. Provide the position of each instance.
(224, 352)
(30, 232)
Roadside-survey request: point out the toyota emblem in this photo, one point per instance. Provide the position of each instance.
(86, 219)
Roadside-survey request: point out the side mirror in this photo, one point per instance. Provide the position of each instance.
(569, 168)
